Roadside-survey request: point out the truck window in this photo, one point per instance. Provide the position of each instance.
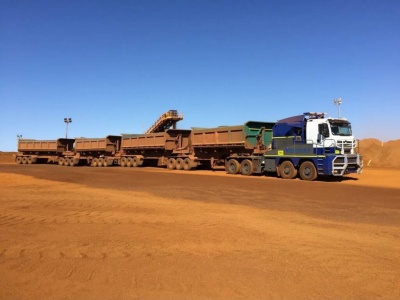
(323, 130)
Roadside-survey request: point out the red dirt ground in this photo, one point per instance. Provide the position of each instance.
(145, 233)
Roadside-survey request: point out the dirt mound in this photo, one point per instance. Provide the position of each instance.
(380, 154)
(7, 157)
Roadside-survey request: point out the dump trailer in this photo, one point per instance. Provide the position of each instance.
(170, 148)
(96, 152)
(35, 151)
(234, 148)
(311, 145)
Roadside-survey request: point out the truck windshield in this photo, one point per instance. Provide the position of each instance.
(341, 128)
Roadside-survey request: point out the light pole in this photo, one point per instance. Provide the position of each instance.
(338, 102)
(19, 136)
(67, 121)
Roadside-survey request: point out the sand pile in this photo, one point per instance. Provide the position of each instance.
(7, 157)
(380, 154)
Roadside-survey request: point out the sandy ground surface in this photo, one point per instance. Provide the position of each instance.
(148, 233)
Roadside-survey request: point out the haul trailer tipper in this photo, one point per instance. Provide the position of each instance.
(35, 151)
(233, 148)
(170, 148)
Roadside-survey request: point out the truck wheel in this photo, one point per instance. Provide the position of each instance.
(232, 166)
(123, 162)
(100, 162)
(95, 162)
(18, 160)
(187, 164)
(72, 162)
(287, 170)
(246, 167)
(308, 171)
(29, 160)
(179, 164)
(61, 161)
(105, 162)
(129, 162)
(135, 162)
(171, 163)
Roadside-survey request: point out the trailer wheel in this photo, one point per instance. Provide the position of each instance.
(100, 162)
(308, 171)
(246, 167)
(18, 160)
(105, 162)
(187, 164)
(287, 170)
(135, 162)
(123, 162)
(29, 160)
(72, 162)
(171, 163)
(232, 166)
(61, 161)
(179, 164)
(95, 162)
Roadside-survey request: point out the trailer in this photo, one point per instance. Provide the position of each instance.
(95, 152)
(170, 148)
(233, 148)
(34, 151)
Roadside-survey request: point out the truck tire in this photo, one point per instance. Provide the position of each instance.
(246, 167)
(100, 162)
(18, 160)
(287, 170)
(129, 162)
(95, 162)
(105, 163)
(61, 161)
(232, 166)
(67, 162)
(135, 162)
(179, 164)
(308, 171)
(29, 160)
(123, 162)
(187, 164)
(171, 163)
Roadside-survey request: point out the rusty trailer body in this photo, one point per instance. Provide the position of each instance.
(235, 148)
(97, 152)
(170, 148)
(34, 151)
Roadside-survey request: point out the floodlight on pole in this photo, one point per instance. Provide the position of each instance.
(67, 121)
(338, 102)
(19, 136)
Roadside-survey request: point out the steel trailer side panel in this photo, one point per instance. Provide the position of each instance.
(48, 146)
(172, 139)
(109, 144)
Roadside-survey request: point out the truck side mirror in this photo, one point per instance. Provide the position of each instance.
(323, 130)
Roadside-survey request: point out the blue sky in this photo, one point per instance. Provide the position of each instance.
(115, 66)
